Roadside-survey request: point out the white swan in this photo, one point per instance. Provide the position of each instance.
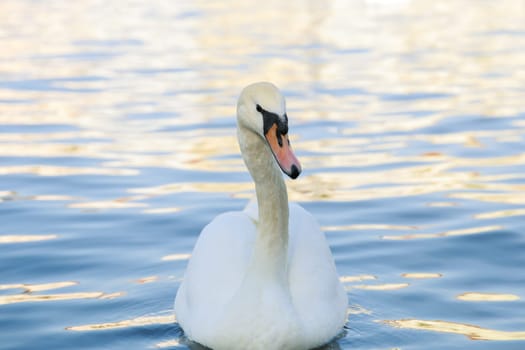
(262, 278)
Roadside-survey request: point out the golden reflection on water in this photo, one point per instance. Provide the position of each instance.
(167, 344)
(504, 198)
(460, 232)
(209, 187)
(472, 296)
(397, 68)
(442, 204)
(381, 287)
(421, 275)
(501, 214)
(52, 170)
(407, 181)
(52, 197)
(135, 322)
(30, 288)
(358, 310)
(111, 204)
(7, 239)
(161, 210)
(362, 227)
(117, 203)
(21, 298)
(471, 331)
(149, 279)
(359, 278)
(373, 287)
(465, 70)
(175, 257)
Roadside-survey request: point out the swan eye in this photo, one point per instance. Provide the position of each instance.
(269, 119)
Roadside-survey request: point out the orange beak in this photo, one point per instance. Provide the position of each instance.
(282, 152)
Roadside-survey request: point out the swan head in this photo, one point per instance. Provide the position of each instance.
(262, 109)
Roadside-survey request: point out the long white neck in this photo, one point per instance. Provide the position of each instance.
(271, 245)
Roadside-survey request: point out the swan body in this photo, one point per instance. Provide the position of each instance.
(264, 277)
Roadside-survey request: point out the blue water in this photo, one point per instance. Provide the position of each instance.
(117, 145)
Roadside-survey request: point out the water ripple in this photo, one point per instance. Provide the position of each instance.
(118, 144)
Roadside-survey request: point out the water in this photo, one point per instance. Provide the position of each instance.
(117, 145)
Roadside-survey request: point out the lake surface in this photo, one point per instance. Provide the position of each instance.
(118, 144)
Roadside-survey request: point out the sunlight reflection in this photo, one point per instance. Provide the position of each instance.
(422, 275)
(112, 295)
(136, 322)
(30, 288)
(358, 310)
(362, 227)
(6, 239)
(175, 257)
(471, 331)
(6, 194)
(148, 279)
(117, 203)
(21, 298)
(460, 232)
(471, 296)
(348, 279)
(517, 197)
(112, 204)
(501, 214)
(408, 181)
(386, 286)
(52, 197)
(389, 102)
(208, 187)
(50, 170)
(442, 204)
(168, 343)
(161, 210)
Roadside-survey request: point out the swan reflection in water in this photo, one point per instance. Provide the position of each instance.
(183, 340)
(334, 345)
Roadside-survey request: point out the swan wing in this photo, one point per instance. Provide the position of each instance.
(316, 291)
(215, 270)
